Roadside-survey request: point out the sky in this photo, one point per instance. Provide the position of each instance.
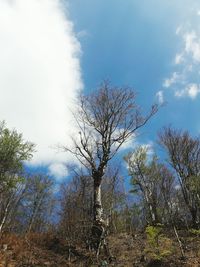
(51, 50)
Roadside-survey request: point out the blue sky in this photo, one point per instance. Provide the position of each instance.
(135, 43)
(50, 50)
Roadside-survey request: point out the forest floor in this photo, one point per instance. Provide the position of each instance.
(127, 250)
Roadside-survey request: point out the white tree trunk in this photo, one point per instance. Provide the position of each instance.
(98, 211)
(4, 216)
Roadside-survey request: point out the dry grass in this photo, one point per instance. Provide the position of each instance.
(42, 250)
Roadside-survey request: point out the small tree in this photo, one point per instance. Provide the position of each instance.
(184, 156)
(76, 207)
(13, 152)
(38, 202)
(153, 181)
(106, 119)
(158, 246)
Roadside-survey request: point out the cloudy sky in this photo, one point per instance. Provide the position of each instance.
(50, 50)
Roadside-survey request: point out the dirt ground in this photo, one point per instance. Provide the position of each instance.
(128, 250)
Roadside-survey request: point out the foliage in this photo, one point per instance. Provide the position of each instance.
(13, 152)
(195, 232)
(158, 246)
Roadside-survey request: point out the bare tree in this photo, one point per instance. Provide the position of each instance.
(153, 181)
(184, 157)
(76, 208)
(106, 119)
(38, 202)
(113, 194)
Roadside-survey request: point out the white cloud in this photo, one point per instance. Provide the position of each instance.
(58, 170)
(174, 78)
(180, 93)
(192, 45)
(192, 91)
(179, 58)
(40, 74)
(160, 97)
(185, 77)
(189, 68)
(147, 148)
(130, 143)
(82, 34)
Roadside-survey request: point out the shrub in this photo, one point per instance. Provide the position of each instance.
(195, 232)
(158, 246)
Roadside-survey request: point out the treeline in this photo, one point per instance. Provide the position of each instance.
(163, 191)
(26, 200)
(157, 192)
(169, 190)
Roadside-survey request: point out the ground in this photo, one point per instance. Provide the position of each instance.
(128, 250)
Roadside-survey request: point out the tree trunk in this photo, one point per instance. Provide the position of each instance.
(193, 212)
(99, 225)
(97, 208)
(4, 216)
(152, 214)
(98, 230)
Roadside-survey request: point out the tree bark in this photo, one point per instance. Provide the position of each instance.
(97, 208)
(195, 222)
(4, 216)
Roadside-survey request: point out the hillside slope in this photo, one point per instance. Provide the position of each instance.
(127, 250)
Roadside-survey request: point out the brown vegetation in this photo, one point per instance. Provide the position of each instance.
(128, 250)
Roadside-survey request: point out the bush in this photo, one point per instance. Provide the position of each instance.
(158, 246)
(195, 232)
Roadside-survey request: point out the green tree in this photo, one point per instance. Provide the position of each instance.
(13, 152)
